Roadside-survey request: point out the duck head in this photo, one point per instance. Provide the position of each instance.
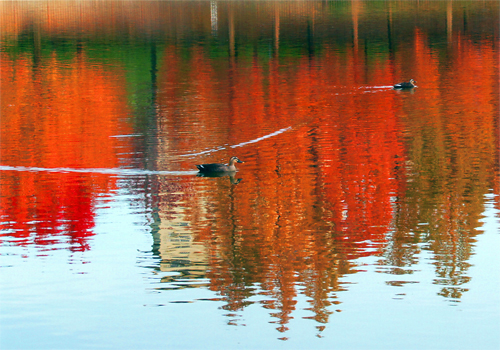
(235, 160)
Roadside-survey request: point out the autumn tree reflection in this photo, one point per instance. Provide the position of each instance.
(452, 161)
(57, 116)
(359, 172)
(339, 167)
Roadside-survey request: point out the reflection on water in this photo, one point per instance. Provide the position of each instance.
(119, 100)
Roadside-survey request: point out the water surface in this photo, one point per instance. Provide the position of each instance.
(363, 216)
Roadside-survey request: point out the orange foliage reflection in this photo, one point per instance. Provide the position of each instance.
(453, 152)
(348, 177)
(312, 199)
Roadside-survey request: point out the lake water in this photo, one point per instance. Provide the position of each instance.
(363, 217)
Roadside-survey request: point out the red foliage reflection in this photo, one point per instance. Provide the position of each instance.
(56, 116)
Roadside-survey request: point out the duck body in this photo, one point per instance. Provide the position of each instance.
(406, 85)
(229, 174)
(218, 167)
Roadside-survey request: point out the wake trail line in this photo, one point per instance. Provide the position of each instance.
(108, 171)
(220, 148)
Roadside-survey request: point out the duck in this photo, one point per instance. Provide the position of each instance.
(218, 167)
(406, 85)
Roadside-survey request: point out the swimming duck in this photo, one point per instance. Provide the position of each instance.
(219, 168)
(406, 85)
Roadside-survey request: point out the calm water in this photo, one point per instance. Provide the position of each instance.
(363, 217)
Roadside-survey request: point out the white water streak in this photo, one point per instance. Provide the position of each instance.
(280, 131)
(136, 172)
(108, 171)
